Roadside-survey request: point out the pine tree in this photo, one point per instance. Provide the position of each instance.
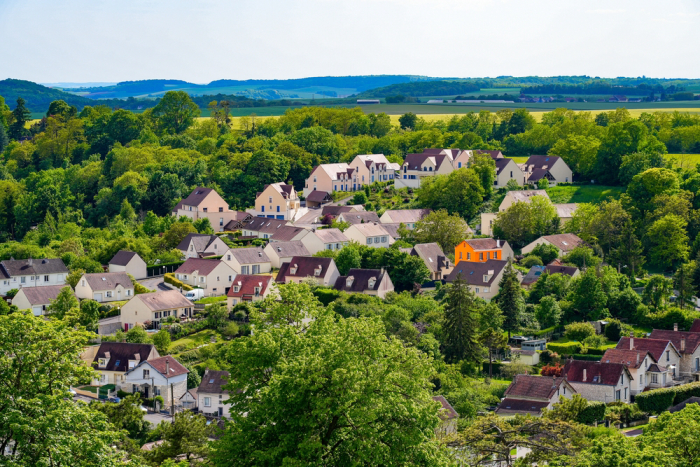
(21, 116)
(461, 323)
(510, 299)
(4, 141)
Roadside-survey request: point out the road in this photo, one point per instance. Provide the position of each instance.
(154, 283)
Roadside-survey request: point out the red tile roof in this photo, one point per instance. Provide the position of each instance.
(247, 284)
(655, 347)
(629, 358)
(696, 326)
(542, 387)
(692, 339)
(521, 405)
(447, 412)
(159, 364)
(596, 372)
(486, 243)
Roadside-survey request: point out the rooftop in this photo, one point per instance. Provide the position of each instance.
(122, 258)
(247, 283)
(305, 266)
(473, 273)
(359, 280)
(203, 266)
(108, 280)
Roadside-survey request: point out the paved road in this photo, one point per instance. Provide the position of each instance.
(154, 283)
(156, 418)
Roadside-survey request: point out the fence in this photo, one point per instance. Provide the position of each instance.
(161, 269)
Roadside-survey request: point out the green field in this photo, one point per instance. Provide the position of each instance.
(197, 339)
(583, 193)
(684, 160)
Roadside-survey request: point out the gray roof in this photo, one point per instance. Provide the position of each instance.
(286, 233)
(432, 255)
(249, 255)
(122, 258)
(360, 280)
(108, 280)
(331, 236)
(212, 382)
(392, 229)
(407, 215)
(284, 249)
(265, 225)
(533, 275)
(566, 210)
(203, 266)
(201, 241)
(371, 230)
(473, 273)
(31, 267)
(162, 300)
(360, 217)
(42, 295)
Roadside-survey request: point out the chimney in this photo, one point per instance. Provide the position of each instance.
(675, 327)
(30, 261)
(584, 375)
(631, 341)
(498, 243)
(167, 366)
(683, 344)
(637, 358)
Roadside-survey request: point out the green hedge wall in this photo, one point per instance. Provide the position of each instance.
(170, 279)
(594, 412)
(659, 400)
(565, 349)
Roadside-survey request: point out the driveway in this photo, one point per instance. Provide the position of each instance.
(154, 283)
(156, 418)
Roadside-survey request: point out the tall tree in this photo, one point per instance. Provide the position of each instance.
(21, 115)
(175, 112)
(461, 323)
(442, 228)
(493, 340)
(510, 299)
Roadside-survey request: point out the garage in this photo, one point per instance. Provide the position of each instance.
(97, 297)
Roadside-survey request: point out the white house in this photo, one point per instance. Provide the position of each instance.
(248, 260)
(598, 381)
(128, 262)
(373, 235)
(111, 360)
(282, 252)
(196, 245)
(16, 273)
(155, 307)
(105, 287)
(325, 239)
(212, 275)
(37, 299)
(163, 376)
(211, 394)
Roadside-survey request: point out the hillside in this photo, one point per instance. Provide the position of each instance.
(38, 97)
(425, 88)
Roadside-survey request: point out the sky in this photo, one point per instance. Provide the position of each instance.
(50, 41)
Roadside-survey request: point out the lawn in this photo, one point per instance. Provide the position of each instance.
(583, 193)
(684, 160)
(195, 340)
(208, 300)
(520, 159)
(564, 340)
(92, 389)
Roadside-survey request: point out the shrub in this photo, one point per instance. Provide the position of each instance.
(170, 279)
(546, 252)
(594, 412)
(613, 330)
(552, 370)
(565, 349)
(530, 261)
(509, 370)
(548, 356)
(138, 288)
(595, 341)
(579, 331)
(658, 400)
(624, 413)
(326, 295)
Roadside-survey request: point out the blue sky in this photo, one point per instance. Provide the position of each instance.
(204, 40)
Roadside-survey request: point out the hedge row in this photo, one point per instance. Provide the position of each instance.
(594, 411)
(587, 357)
(573, 348)
(659, 400)
(170, 279)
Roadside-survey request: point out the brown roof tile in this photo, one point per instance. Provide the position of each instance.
(565, 242)
(692, 339)
(629, 358)
(596, 372)
(473, 273)
(212, 382)
(247, 283)
(655, 347)
(521, 405)
(542, 387)
(122, 258)
(164, 300)
(43, 295)
(121, 352)
(360, 280)
(160, 365)
(305, 267)
(486, 243)
(203, 266)
(108, 280)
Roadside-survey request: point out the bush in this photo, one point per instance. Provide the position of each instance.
(546, 252)
(624, 413)
(579, 331)
(326, 295)
(509, 370)
(594, 412)
(552, 370)
(138, 288)
(170, 279)
(565, 349)
(595, 341)
(658, 400)
(530, 261)
(587, 357)
(548, 356)
(613, 330)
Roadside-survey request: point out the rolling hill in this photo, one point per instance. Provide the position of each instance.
(37, 97)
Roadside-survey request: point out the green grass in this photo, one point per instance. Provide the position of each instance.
(92, 389)
(520, 159)
(207, 300)
(684, 160)
(583, 193)
(564, 340)
(198, 338)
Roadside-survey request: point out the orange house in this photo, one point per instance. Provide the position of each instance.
(479, 250)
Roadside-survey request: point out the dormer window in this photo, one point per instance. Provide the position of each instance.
(235, 288)
(486, 278)
(349, 281)
(132, 364)
(102, 362)
(372, 281)
(294, 268)
(317, 271)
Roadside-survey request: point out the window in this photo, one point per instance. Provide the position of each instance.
(564, 390)
(269, 200)
(228, 257)
(257, 291)
(146, 374)
(245, 269)
(262, 208)
(460, 255)
(511, 174)
(132, 364)
(230, 278)
(46, 278)
(617, 395)
(221, 222)
(157, 315)
(256, 269)
(184, 277)
(221, 209)
(469, 256)
(218, 279)
(23, 280)
(369, 241)
(205, 209)
(459, 165)
(128, 293)
(481, 256)
(207, 402)
(477, 290)
(383, 239)
(278, 209)
(668, 355)
(654, 378)
(486, 290)
(329, 246)
(201, 280)
(102, 362)
(622, 380)
(108, 294)
(83, 283)
(488, 255)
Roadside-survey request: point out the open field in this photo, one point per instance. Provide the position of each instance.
(583, 193)
(684, 160)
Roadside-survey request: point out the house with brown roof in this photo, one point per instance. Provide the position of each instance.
(448, 417)
(240, 220)
(688, 345)
(111, 360)
(20, 273)
(529, 395)
(289, 233)
(637, 362)
(482, 278)
(37, 299)
(207, 203)
(370, 168)
(282, 252)
(663, 351)
(211, 394)
(248, 288)
(318, 198)
(407, 217)
(212, 275)
(598, 381)
(128, 262)
(196, 245)
(427, 164)
(434, 259)
(248, 260)
(495, 154)
(277, 201)
(373, 235)
(367, 281)
(300, 268)
(358, 217)
(551, 168)
(262, 227)
(563, 242)
(564, 211)
(483, 249)
(325, 239)
(105, 287)
(155, 307)
(163, 376)
(507, 170)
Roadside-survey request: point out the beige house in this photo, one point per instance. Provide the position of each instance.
(248, 260)
(372, 168)
(563, 242)
(374, 282)
(325, 239)
(163, 376)
(551, 168)
(196, 245)
(663, 351)
(407, 217)
(37, 299)
(105, 287)
(248, 288)
(212, 275)
(111, 360)
(599, 381)
(434, 259)
(330, 178)
(636, 361)
(211, 395)
(372, 235)
(282, 252)
(530, 395)
(277, 201)
(482, 278)
(289, 233)
(130, 263)
(301, 268)
(507, 170)
(207, 203)
(427, 164)
(154, 307)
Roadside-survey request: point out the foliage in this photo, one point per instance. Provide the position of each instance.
(548, 312)
(579, 331)
(186, 436)
(510, 370)
(510, 298)
(460, 193)
(461, 323)
(582, 257)
(522, 223)
(161, 340)
(659, 400)
(442, 228)
(530, 261)
(137, 335)
(657, 291)
(546, 252)
(565, 349)
(170, 279)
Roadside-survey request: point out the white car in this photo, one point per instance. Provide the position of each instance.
(194, 294)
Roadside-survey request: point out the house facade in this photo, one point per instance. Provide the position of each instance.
(282, 252)
(163, 376)
(562, 242)
(598, 381)
(248, 288)
(105, 287)
(300, 268)
(155, 307)
(662, 350)
(211, 395)
(130, 263)
(372, 235)
(448, 418)
(434, 259)
(507, 170)
(212, 275)
(248, 260)
(370, 168)
(530, 395)
(111, 360)
(688, 345)
(637, 362)
(330, 178)
(325, 239)
(196, 245)
(37, 299)
(20, 273)
(551, 168)
(277, 201)
(482, 278)
(374, 282)
(207, 203)
(483, 249)
(416, 167)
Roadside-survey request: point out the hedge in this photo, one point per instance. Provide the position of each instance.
(587, 357)
(170, 279)
(496, 367)
(594, 411)
(659, 400)
(565, 349)
(326, 296)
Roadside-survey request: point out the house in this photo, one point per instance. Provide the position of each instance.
(570, 271)
(282, 252)
(551, 168)
(494, 154)
(207, 203)
(563, 242)
(154, 307)
(528, 357)
(483, 249)
(373, 235)
(532, 276)
(248, 288)
(637, 362)
(564, 211)
(324, 239)
(318, 198)
(482, 278)
(370, 168)
(277, 201)
(331, 177)
(37, 299)
(688, 345)
(598, 381)
(448, 417)
(130, 263)
(367, 281)
(407, 217)
(507, 170)
(299, 268)
(105, 287)
(240, 220)
(196, 245)
(111, 360)
(288, 233)
(212, 275)
(361, 217)
(433, 257)
(248, 260)
(536, 272)
(261, 227)
(19, 273)
(529, 395)
(162, 376)
(663, 351)
(427, 164)
(211, 394)
(393, 230)
(188, 401)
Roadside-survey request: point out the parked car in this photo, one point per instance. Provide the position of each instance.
(116, 400)
(194, 294)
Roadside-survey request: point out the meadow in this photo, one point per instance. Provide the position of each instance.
(583, 193)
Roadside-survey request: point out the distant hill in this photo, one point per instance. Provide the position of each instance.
(425, 88)
(38, 97)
